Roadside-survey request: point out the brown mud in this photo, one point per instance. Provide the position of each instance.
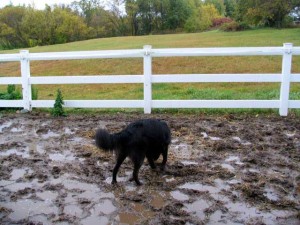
(221, 170)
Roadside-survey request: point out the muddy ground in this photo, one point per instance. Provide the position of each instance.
(221, 170)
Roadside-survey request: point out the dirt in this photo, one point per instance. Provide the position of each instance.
(221, 170)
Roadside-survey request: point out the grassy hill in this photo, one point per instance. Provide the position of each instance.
(173, 65)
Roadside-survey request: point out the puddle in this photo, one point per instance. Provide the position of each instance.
(67, 130)
(178, 195)
(270, 193)
(22, 209)
(47, 196)
(23, 153)
(234, 159)
(36, 147)
(127, 218)
(188, 163)
(94, 219)
(73, 210)
(199, 187)
(65, 156)
(18, 173)
(40, 219)
(157, 201)
(74, 184)
(5, 125)
(197, 208)
(182, 151)
(16, 130)
(17, 186)
(228, 167)
(50, 134)
(142, 210)
(105, 207)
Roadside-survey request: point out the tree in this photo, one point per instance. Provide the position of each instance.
(132, 8)
(58, 109)
(265, 12)
(219, 5)
(10, 24)
(230, 8)
(202, 18)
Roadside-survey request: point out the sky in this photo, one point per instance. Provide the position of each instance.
(39, 4)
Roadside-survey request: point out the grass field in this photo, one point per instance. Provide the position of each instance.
(171, 65)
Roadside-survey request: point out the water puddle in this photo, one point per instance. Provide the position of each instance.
(17, 186)
(16, 130)
(94, 219)
(142, 210)
(238, 139)
(178, 195)
(73, 210)
(24, 208)
(105, 207)
(47, 196)
(65, 156)
(18, 173)
(67, 130)
(182, 151)
(206, 136)
(158, 201)
(270, 193)
(235, 159)
(5, 125)
(228, 167)
(197, 208)
(127, 218)
(188, 163)
(50, 134)
(23, 153)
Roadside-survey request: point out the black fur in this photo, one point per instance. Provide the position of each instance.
(144, 138)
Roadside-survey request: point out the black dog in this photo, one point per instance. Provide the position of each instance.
(144, 138)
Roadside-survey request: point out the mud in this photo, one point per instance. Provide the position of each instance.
(221, 170)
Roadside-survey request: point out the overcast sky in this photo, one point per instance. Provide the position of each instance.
(39, 4)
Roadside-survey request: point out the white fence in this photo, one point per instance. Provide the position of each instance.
(147, 53)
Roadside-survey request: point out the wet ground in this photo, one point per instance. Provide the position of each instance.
(221, 170)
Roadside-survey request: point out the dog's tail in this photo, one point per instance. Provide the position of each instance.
(104, 140)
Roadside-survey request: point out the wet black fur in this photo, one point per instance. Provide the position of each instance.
(144, 138)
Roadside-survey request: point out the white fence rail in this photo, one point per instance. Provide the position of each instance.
(147, 53)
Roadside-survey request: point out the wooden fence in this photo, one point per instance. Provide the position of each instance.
(147, 53)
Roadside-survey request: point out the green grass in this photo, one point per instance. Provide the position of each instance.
(170, 65)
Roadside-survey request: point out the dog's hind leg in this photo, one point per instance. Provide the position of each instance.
(120, 159)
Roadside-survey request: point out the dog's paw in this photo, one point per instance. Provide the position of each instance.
(114, 182)
(138, 183)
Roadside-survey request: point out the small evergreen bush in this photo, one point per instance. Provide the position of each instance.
(11, 94)
(58, 109)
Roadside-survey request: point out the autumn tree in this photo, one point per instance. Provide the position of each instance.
(265, 12)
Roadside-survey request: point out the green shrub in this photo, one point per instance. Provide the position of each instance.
(58, 109)
(11, 94)
(234, 26)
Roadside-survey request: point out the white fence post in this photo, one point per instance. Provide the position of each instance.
(285, 79)
(147, 79)
(25, 73)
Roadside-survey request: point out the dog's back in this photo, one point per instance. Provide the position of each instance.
(143, 138)
(147, 132)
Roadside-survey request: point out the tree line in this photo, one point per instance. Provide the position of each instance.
(25, 26)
